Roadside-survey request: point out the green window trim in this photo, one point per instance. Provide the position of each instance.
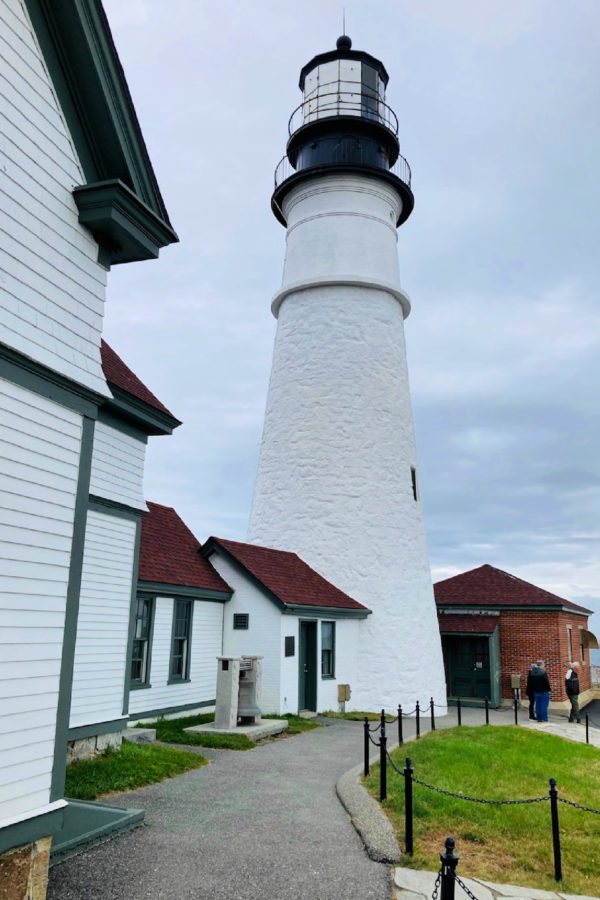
(241, 621)
(181, 642)
(327, 650)
(141, 651)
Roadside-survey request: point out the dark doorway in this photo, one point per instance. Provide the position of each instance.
(467, 665)
(307, 661)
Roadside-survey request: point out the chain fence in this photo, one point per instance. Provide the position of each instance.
(385, 760)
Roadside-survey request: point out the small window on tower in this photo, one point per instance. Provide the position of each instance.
(413, 476)
(241, 621)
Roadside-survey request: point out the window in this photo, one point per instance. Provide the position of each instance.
(290, 645)
(241, 621)
(581, 646)
(570, 643)
(140, 659)
(180, 642)
(328, 649)
(413, 478)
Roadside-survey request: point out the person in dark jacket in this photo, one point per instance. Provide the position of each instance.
(530, 697)
(572, 689)
(541, 690)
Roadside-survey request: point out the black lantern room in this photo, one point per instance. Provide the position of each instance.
(343, 123)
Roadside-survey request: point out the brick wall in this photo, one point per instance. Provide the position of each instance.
(527, 635)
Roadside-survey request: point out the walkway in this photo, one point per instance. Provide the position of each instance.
(264, 825)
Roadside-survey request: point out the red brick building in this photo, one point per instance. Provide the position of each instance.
(494, 625)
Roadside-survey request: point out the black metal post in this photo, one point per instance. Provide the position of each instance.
(555, 830)
(487, 711)
(449, 861)
(408, 806)
(400, 734)
(382, 760)
(516, 709)
(418, 720)
(587, 728)
(458, 710)
(432, 714)
(366, 745)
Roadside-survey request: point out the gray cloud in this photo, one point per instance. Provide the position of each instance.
(499, 120)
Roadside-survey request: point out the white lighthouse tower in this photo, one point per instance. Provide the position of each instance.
(337, 478)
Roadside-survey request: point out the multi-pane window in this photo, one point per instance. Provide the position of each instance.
(140, 660)
(328, 649)
(180, 644)
(570, 643)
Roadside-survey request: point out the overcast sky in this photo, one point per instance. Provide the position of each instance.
(498, 104)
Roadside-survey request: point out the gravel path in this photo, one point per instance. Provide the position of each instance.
(259, 825)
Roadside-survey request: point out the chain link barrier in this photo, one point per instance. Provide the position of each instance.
(578, 806)
(438, 790)
(436, 887)
(464, 887)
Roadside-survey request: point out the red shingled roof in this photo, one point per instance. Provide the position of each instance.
(117, 373)
(488, 586)
(170, 554)
(453, 623)
(286, 576)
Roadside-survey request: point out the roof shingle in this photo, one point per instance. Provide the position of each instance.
(455, 623)
(488, 586)
(170, 554)
(286, 576)
(121, 376)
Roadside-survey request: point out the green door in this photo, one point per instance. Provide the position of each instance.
(468, 665)
(307, 661)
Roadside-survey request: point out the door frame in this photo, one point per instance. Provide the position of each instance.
(307, 665)
(494, 667)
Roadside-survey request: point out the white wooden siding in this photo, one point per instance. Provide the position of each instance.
(207, 618)
(39, 463)
(347, 632)
(263, 637)
(53, 288)
(118, 466)
(103, 623)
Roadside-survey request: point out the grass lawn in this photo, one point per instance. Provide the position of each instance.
(510, 844)
(133, 766)
(356, 716)
(170, 731)
(296, 724)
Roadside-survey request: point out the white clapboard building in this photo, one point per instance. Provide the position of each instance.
(197, 602)
(77, 194)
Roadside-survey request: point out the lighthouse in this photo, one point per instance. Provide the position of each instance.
(337, 480)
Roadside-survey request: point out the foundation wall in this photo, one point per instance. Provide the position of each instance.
(24, 871)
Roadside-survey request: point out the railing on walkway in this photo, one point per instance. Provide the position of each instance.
(409, 781)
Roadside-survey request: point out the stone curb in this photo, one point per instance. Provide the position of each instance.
(371, 823)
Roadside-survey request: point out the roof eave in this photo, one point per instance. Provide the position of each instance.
(147, 418)
(86, 72)
(182, 590)
(546, 607)
(331, 612)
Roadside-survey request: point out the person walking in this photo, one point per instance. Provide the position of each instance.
(572, 689)
(540, 685)
(530, 695)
